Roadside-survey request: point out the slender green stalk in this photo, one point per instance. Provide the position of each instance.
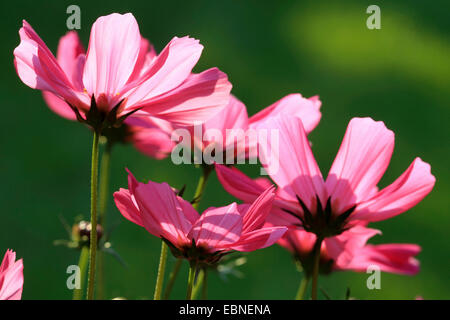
(93, 237)
(104, 183)
(161, 271)
(191, 277)
(315, 276)
(172, 277)
(82, 264)
(198, 284)
(302, 288)
(207, 169)
(205, 284)
(103, 203)
(100, 276)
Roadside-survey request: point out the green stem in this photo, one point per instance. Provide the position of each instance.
(302, 288)
(198, 284)
(93, 237)
(82, 264)
(161, 271)
(100, 276)
(104, 183)
(191, 277)
(103, 203)
(205, 285)
(315, 276)
(207, 169)
(172, 277)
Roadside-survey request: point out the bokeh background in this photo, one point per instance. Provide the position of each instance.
(399, 74)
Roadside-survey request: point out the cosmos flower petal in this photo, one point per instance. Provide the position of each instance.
(254, 215)
(168, 70)
(113, 49)
(392, 258)
(294, 105)
(217, 227)
(403, 194)
(362, 159)
(290, 162)
(238, 184)
(127, 206)
(11, 277)
(196, 100)
(259, 239)
(38, 68)
(161, 212)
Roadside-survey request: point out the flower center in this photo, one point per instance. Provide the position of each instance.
(193, 252)
(323, 222)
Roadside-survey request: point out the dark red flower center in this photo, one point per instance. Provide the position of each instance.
(324, 222)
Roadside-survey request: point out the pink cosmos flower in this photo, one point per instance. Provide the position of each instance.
(148, 134)
(151, 136)
(121, 73)
(11, 277)
(350, 251)
(205, 238)
(348, 195)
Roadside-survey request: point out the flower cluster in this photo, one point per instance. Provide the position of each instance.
(124, 91)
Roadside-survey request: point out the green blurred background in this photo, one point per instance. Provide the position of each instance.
(399, 74)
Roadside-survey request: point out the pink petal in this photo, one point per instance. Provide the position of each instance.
(11, 277)
(168, 70)
(357, 236)
(67, 55)
(392, 258)
(147, 122)
(126, 202)
(238, 184)
(316, 101)
(360, 163)
(278, 215)
(38, 68)
(8, 261)
(298, 241)
(70, 56)
(233, 116)
(217, 227)
(127, 206)
(246, 189)
(292, 165)
(254, 215)
(263, 182)
(132, 181)
(162, 213)
(294, 105)
(58, 106)
(197, 99)
(259, 239)
(344, 247)
(226, 131)
(403, 194)
(112, 53)
(146, 55)
(151, 136)
(189, 212)
(153, 142)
